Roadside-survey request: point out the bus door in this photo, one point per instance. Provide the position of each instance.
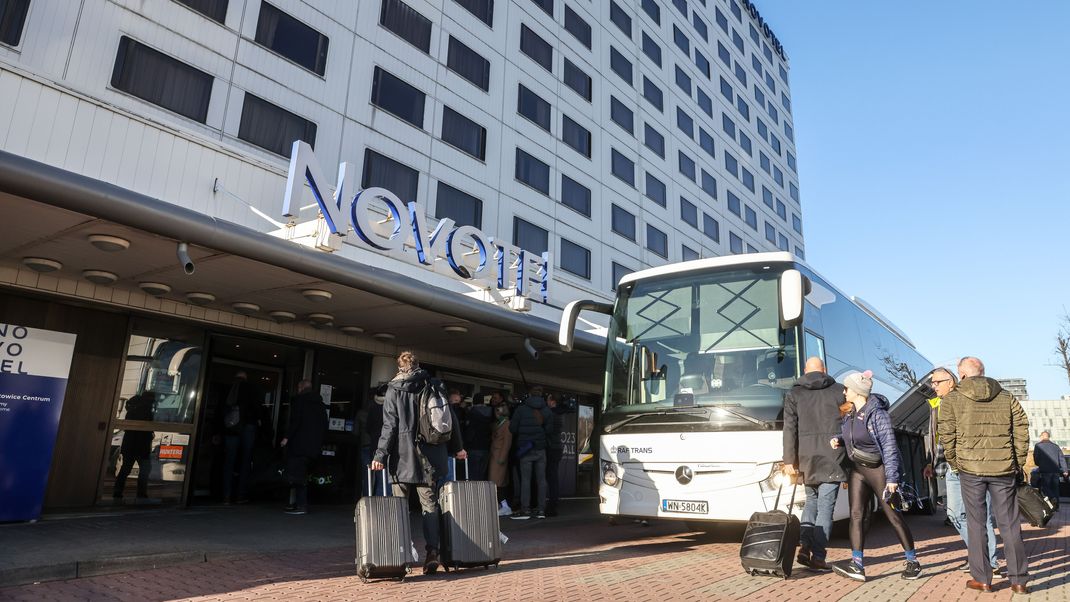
(910, 418)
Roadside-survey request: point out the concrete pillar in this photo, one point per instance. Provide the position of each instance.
(383, 369)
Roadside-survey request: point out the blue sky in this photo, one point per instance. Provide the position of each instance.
(934, 168)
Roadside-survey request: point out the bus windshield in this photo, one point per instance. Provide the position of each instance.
(708, 340)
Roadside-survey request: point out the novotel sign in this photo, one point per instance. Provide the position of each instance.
(774, 42)
(383, 222)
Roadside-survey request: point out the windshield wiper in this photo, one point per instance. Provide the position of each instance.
(727, 407)
(617, 425)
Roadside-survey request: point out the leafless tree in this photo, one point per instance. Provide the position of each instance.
(1062, 345)
(899, 371)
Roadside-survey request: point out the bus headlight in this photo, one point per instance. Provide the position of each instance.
(776, 479)
(609, 474)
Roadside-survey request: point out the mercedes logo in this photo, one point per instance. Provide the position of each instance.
(684, 475)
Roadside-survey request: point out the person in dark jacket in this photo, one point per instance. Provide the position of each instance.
(531, 426)
(373, 428)
(241, 421)
(554, 450)
(414, 463)
(137, 446)
(1048, 457)
(811, 417)
(985, 433)
(868, 434)
(304, 436)
(479, 421)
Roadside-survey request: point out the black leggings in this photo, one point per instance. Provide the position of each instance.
(861, 485)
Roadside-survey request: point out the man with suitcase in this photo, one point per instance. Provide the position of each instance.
(1048, 457)
(414, 463)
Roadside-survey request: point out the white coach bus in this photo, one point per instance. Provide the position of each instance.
(699, 356)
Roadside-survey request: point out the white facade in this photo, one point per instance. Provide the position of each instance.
(1051, 416)
(58, 105)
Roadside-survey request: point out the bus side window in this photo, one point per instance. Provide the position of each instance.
(814, 346)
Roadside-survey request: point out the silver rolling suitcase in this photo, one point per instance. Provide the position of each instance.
(384, 539)
(471, 532)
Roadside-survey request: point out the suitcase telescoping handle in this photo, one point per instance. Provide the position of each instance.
(791, 503)
(466, 475)
(370, 483)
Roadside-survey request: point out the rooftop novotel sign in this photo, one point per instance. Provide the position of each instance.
(775, 43)
(383, 222)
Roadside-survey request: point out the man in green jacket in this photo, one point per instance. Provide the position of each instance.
(985, 434)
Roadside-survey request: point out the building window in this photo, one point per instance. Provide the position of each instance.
(655, 189)
(467, 63)
(709, 184)
(651, 49)
(688, 212)
(620, 65)
(741, 75)
(579, 28)
(215, 10)
(657, 241)
(743, 108)
(687, 165)
(724, 54)
(750, 217)
(407, 23)
(398, 98)
(547, 6)
(722, 21)
(685, 123)
(687, 253)
(711, 228)
(785, 102)
(619, 272)
(781, 210)
(759, 96)
(651, 8)
(783, 73)
(775, 143)
(538, 49)
(735, 243)
(383, 172)
(532, 172)
(705, 140)
(681, 5)
(726, 90)
(756, 63)
(702, 63)
(164, 81)
(738, 41)
(620, 19)
(793, 191)
(744, 143)
(770, 232)
(734, 205)
(796, 223)
(778, 176)
(654, 140)
(464, 133)
(789, 132)
(623, 222)
(533, 107)
(576, 136)
(773, 113)
(782, 242)
(769, 82)
(579, 81)
(683, 81)
(653, 94)
(681, 40)
(736, 11)
(623, 167)
(530, 237)
(763, 131)
(799, 252)
(575, 195)
(767, 197)
(728, 126)
(481, 9)
(621, 115)
(700, 26)
(292, 39)
(731, 164)
(575, 259)
(747, 177)
(273, 128)
(763, 160)
(791, 163)
(704, 101)
(463, 208)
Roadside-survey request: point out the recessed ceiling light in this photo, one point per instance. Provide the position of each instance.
(454, 328)
(100, 277)
(40, 264)
(283, 317)
(351, 329)
(316, 295)
(108, 243)
(384, 336)
(156, 289)
(320, 319)
(245, 309)
(200, 299)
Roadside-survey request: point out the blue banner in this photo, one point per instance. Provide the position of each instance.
(34, 366)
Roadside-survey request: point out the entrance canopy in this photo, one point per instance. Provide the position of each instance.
(51, 213)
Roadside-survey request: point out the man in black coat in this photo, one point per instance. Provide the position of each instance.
(414, 463)
(811, 418)
(304, 436)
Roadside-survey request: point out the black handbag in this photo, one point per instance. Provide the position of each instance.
(861, 458)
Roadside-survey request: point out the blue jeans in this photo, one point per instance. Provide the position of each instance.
(956, 512)
(817, 517)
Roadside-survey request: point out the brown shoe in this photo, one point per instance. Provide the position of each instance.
(816, 564)
(1019, 588)
(977, 585)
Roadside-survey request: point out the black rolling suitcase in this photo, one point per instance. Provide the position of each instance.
(1034, 506)
(471, 531)
(384, 539)
(770, 540)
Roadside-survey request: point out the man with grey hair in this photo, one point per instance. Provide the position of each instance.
(985, 434)
(1048, 457)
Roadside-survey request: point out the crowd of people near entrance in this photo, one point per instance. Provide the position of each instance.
(840, 435)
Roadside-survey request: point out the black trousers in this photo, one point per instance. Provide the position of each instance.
(144, 467)
(975, 490)
(861, 486)
(553, 483)
(297, 476)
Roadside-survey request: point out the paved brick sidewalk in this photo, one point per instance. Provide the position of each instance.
(584, 559)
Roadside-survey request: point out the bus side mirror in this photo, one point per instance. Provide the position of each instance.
(793, 289)
(568, 319)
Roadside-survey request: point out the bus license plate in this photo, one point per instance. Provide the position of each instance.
(685, 506)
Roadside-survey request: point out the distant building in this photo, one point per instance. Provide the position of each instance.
(1016, 386)
(1052, 416)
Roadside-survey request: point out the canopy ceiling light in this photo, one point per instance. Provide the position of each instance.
(42, 265)
(200, 299)
(111, 244)
(316, 295)
(156, 289)
(455, 329)
(100, 277)
(283, 317)
(320, 319)
(353, 330)
(384, 336)
(245, 309)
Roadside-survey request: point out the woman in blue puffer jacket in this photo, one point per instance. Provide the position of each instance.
(874, 455)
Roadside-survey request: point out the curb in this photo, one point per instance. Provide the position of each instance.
(100, 566)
